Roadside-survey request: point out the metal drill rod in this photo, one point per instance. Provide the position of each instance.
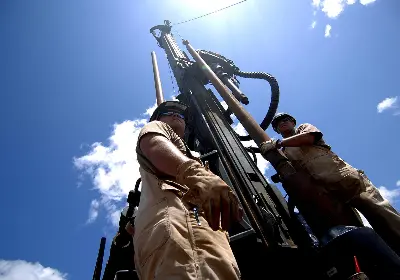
(235, 90)
(297, 185)
(255, 131)
(275, 157)
(157, 80)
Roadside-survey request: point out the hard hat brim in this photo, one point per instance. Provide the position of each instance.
(169, 106)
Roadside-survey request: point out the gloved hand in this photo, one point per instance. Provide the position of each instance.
(266, 146)
(209, 193)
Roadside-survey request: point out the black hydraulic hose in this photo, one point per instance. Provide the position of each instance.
(226, 65)
(138, 184)
(273, 106)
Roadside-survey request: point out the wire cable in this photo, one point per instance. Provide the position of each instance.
(216, 11)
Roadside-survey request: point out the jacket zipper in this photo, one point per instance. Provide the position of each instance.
(196, 215)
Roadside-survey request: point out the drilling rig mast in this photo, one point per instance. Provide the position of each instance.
(271, 240)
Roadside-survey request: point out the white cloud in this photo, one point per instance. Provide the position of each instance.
(115, 216)
(333, 8)
(389, 195)
(150, 110)
(387, 103)
(398, 183)
(262, 164)
(366, 2)
(316, 3)
(328, 30)
(113, 167)
(313, 24)
(93, 211)
(15, 270)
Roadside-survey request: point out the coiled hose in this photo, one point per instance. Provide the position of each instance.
(273, 106)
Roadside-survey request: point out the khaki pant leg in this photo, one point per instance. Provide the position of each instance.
(213, 253)
(170, 245)
(380, 214)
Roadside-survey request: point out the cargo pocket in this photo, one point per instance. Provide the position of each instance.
(155, 233)
(349, 185)
(325, 168)
(352, 184)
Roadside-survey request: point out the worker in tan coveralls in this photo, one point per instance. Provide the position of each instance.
(184, 208)
(307, 150)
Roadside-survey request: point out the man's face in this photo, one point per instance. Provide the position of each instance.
(285, 125)
(175, 120)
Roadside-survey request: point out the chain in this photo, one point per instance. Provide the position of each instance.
(171, 76)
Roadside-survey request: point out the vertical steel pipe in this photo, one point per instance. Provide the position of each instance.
(99, 262)
(157, 80)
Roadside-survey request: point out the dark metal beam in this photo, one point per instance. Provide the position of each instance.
(99, 262)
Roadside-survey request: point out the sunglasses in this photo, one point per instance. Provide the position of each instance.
(283, 121)
(173, 114)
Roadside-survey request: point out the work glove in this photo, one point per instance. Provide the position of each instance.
(269, 145)
(210, 194)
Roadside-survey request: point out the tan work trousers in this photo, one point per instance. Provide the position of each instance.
(169, 244)
(384, 219)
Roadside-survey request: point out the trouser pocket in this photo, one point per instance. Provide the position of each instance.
(350, 184)
(152, 231)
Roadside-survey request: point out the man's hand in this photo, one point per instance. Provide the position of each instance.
(269, 145)
(210, 193)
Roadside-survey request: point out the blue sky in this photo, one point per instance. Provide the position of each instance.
(76, 83)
